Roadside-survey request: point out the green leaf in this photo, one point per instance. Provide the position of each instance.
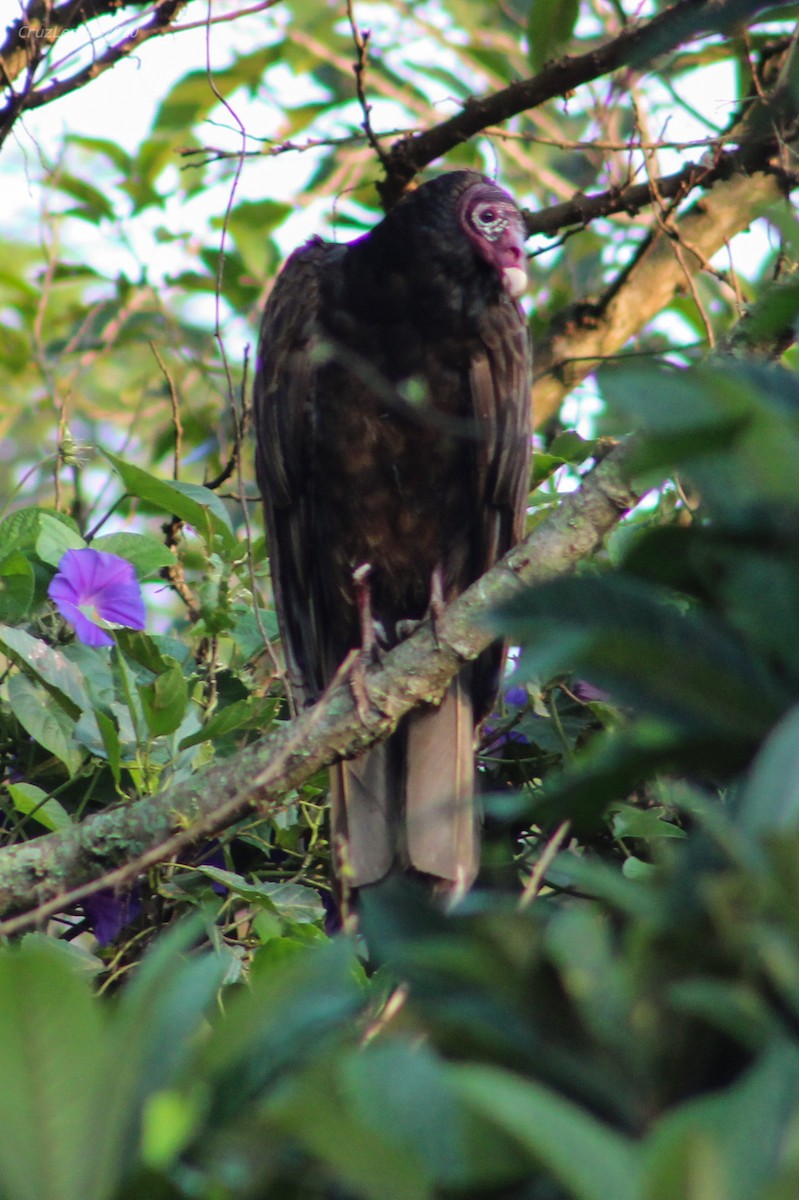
(733, 1140)
(313, 1107)
(55, 1137)
(55, 538)
(196, 505)
(110, 737)
(160, 1017)
(146, 553)
(20, 530)
(49, 665)
(292, 901)
(292, 1011)
(631, 822)
(93, 204)
(29, 799)
(164, 700)
(250, 223)
(40, 715)
(169, 1121)
(769, 800)
(102, 146)
(298, 904)
(242, 714)
(586, 1157)
(17, 586)
(418, 1114)
(550, 24)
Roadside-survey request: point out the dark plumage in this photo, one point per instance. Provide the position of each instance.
(392, 415)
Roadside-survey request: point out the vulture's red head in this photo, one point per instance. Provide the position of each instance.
(494, 226)
(453, 222)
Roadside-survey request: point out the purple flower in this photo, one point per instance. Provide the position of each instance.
(516, 696)
(107, 911)
(92, 588)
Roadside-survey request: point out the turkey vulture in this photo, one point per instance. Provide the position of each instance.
(392, 412)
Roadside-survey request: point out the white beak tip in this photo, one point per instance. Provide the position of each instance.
(515, 281)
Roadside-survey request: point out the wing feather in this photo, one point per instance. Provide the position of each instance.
(284, 397)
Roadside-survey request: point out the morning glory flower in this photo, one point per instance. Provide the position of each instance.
(95, 591)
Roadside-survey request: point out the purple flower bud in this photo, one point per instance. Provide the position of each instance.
(516, 696)
(92, 587)
(587, 692)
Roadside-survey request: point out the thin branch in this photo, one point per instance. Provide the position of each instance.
(361, 40)
(175, 404)
(161, 22)
(41, 877)
(747, 181)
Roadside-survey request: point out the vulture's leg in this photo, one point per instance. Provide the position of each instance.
(370, 647)
(437, 605)
(370, 629)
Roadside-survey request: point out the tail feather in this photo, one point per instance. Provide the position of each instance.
(440, 822)
(409, 802)
(365, 809)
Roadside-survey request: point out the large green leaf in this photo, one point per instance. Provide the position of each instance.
(147, 554)
(56, 1139)
(192, 503)
(769, 801)
(158, 1021)
(29, 799)
(41, 715)
(731, 1144)
(55, 538)
(587, 1158)
(48, 664)
(316, 1107)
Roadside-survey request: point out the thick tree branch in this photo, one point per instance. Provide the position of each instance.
(45, 876)
(637, 46)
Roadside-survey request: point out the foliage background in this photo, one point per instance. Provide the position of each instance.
(614, 1011)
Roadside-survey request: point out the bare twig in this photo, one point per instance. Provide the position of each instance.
(175, 403)
(361, 40)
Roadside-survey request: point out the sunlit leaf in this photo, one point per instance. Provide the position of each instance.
(31, 800)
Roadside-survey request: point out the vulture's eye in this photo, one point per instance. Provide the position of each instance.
(489, 221)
